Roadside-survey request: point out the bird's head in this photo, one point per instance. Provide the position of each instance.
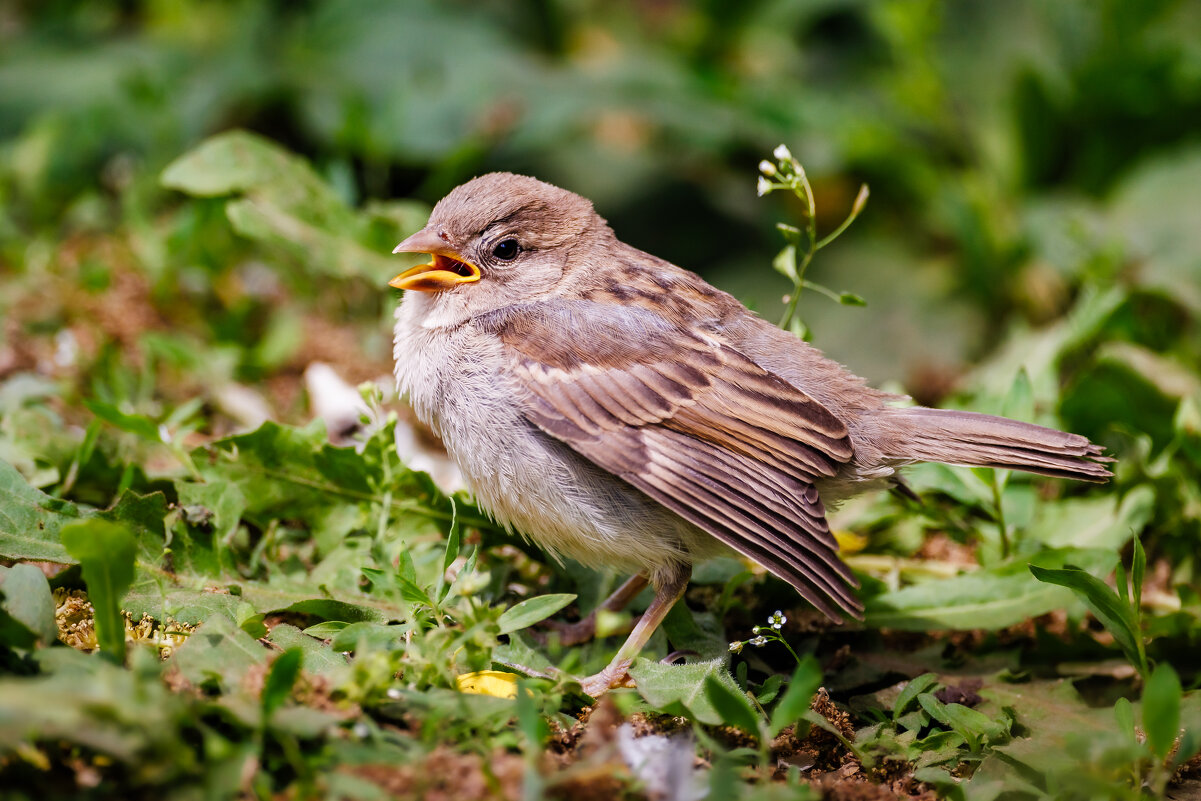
(500, 239)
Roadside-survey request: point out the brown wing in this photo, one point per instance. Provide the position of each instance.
(695, 425)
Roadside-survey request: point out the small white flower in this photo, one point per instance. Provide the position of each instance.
(760, 640)
(777, 620)
(782, 153)
(763, 187)
(393, 693)
(767, 168)
(736, 647)
(361, 730)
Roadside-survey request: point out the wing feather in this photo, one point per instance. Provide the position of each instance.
(696, 425)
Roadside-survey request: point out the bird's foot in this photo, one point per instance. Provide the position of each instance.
(617, 674)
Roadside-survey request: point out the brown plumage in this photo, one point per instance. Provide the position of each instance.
(619, 409)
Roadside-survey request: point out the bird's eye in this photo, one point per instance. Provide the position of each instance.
(506, 249)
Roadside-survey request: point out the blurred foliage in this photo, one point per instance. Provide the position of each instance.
(196, 204)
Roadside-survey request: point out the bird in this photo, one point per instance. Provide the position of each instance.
(619, 410)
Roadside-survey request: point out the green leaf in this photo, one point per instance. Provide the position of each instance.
(280, 680)
(732, 704)
(908, 695)
(282, 203)
(1161, 709)
(796, 699)
(533, 728)
(680, 689)
(785, 263)
(319, 658)
(30, 520)
(988, 599)
(25, 596)
(219, 652)
(105, 551)
(975, 727)
(1119, 618)
(450, 554)
(532, 610)
(138, 424)
(1123, 713)
(1138, 570)
(851, 299)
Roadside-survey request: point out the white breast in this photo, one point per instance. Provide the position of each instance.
(455, 381)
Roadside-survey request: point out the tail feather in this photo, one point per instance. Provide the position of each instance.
(983, 440)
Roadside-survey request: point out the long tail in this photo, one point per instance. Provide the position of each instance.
(984, 440)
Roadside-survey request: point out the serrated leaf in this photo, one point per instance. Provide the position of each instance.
(319, 658)
(105, 551)
(30, 520)
(532, 610)
(680, 689)
(218, 651)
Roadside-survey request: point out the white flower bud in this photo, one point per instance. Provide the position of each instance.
(782, 153)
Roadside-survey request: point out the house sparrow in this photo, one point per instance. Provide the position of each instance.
(618, 409)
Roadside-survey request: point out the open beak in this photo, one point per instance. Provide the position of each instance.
(448, 269)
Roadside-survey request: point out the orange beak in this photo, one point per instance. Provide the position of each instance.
(448, 269)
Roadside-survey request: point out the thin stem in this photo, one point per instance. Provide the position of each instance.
(1004, 529)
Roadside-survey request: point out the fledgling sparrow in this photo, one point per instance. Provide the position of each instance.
(618, 409)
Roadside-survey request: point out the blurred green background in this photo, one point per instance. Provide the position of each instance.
(1017, 154)
(198, 201)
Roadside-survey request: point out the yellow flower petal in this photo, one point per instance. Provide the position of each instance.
(489, 682)
(850, 542)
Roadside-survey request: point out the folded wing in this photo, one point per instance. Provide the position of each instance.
(693, 423)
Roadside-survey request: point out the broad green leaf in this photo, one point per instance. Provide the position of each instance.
(220, 652)
(374, 636)
(796, 699)
(531, 611)
(106, 553)
(280, 201)
(1103, 521)
(25, 596)
(280, 680)
(988, 599)
(1161, 709)
(732, 705)
(30, 520)
(680, 689)
(319, 658)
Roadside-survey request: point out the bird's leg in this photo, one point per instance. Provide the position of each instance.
(666, 595)
(584, 629)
